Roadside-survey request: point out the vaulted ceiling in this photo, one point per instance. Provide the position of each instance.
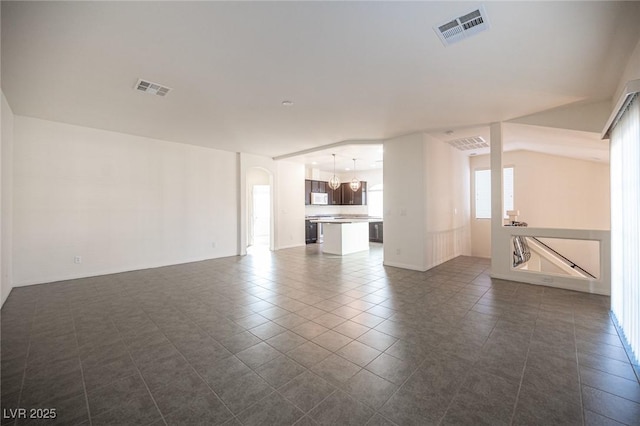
(353, 70)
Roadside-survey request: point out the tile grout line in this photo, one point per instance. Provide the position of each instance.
(524, 369)
(84, 383)
(234, 416)
(420, 364)
(584, 409)
(625, 344)
(575, 339)
(138, 371)
(307, 413)
(26, 360)
(444, 415)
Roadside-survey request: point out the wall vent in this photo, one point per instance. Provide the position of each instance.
(467, 144)
(467, 25)
(152, 88)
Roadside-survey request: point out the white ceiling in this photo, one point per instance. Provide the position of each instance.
(562, 142)
(369, 156)
(547, 140)
(354, 70)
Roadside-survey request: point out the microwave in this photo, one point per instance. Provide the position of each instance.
(320, 198)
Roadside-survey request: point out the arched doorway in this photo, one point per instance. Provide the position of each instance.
(259, 191)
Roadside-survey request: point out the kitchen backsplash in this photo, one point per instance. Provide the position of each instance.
(335, 210)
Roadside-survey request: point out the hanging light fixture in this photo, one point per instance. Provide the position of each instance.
(355, 183)
(334, 182)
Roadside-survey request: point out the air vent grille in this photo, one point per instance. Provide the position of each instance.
(467, 144)
(454, 30)
(152, 88)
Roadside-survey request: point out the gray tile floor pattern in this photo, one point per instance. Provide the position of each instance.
(298, 337)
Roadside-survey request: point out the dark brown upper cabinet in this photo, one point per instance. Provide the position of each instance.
(343, 196)
(354, 198)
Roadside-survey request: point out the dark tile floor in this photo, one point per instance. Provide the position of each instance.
(299, 337)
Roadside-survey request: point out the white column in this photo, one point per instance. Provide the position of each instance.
(500, 259)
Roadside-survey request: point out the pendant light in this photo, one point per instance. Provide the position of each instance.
(334, 182)
(355, 183)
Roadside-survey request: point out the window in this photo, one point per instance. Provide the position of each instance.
(375, 200)
(483, 192)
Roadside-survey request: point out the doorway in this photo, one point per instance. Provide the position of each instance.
(260, 222)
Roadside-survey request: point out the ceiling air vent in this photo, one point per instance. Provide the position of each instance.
(467, 144)
(152, 88)
(456, 29)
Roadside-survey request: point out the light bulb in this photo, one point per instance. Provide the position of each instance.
(334, 182)
(354, 184)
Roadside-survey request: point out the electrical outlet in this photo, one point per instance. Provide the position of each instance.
(398, 251)
(77, 259)
(213, 244)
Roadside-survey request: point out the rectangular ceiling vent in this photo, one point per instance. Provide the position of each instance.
(467, 25)
(467, 144)
(152, 88)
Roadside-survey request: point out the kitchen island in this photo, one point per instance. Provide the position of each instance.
(344, 236)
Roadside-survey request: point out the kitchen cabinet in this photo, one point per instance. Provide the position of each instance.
(354, 198)
(335, 196)
(310, 232)
(375, 232)
(314, 186)
(318, 186)
(343, 196)
(307, 192)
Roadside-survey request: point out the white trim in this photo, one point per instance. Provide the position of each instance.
(290, 246)
(504, 270)
(405, 266)
(567, 283)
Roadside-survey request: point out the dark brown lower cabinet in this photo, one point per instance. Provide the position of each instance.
(310, 232)
(375, 232)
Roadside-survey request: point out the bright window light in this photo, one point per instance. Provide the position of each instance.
(483, 192)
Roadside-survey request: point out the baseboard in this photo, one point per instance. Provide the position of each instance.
(111, 271)
(404, 266)
(583, 286)
(290, 246)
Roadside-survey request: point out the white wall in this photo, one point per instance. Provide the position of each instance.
(404, 202)
(290, 205)
(447, 203)
(121, 202)
(426, 202)
(6, 201)
(550, 192)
